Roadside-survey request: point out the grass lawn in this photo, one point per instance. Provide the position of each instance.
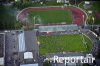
(68, 43)
(51, 16)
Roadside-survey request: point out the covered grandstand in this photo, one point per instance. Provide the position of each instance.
(58, 28)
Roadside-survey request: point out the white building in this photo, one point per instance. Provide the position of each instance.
(62, 1)
(29, 64)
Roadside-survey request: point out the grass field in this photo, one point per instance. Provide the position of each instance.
(51, 16)
(68, 43)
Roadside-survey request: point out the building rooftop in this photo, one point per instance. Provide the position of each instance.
(1, 61)
(22, 40)
(30, 40)
(28, 55)
(29, 64)
(2, 44)
(19, 42)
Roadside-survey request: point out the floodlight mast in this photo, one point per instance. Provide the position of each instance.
(84, 40)
(83, 18)
(93, 22)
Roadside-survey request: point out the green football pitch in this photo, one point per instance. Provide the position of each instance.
(67, 43)
(51, 16)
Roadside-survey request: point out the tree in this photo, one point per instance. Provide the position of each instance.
(86, 64)
(44, 1)
(18, 25)
(46, 63)
(75, 2)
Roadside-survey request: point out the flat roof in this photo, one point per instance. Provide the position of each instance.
(2, 61)
(87, 2)
(21, 41)
(30, 46)
(30, 40)
(29, 64)
(28, 55)
(2, 41)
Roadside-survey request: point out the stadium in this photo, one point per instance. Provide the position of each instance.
(54, 39)
(46, 32)
(58, 28)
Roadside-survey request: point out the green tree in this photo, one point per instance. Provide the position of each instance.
(46, 63)
(18, 25)
(86, 64)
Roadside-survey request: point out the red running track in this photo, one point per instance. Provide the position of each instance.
(77, 14)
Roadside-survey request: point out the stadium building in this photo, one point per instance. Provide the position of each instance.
(21, 48)
(2, 49)
(60, 29)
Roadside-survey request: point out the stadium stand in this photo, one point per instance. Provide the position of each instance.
(54, 28)
(57, 29)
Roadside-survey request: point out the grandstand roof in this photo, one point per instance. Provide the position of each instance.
(54, 28)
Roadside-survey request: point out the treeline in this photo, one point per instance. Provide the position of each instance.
(23, 5)
(8, 21)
